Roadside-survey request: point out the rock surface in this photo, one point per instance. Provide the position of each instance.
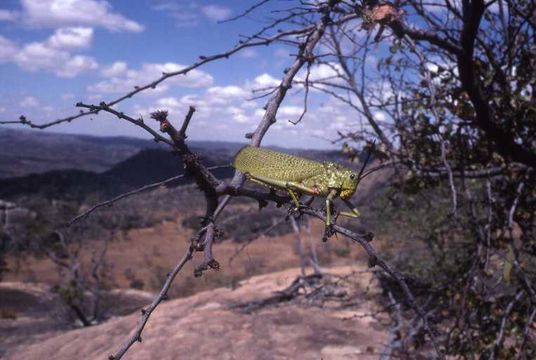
(205, 326)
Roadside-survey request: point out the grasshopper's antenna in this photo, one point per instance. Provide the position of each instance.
(374, 169)
(366, 161)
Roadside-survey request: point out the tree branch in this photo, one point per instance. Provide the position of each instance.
(484, 119)
(146, 312)
(375, 260)
(134, 192)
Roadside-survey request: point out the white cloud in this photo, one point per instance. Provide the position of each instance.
(238, 115)
(118, 68)
(7, 49)
(52, 54)
(248, 53)
(188, 14)
(129, 79)
(439, 7)
(41, 56)
(228, 109)
(168, 102)
(211, 109)
(67, 96)
(75, 65)
(186, 18)
(55, 13)
(282, 53)
(228, 91)
(325, 72)
(241, 118)
(29, 101)
(7, 15)
(218, 106)
(223, 105)
(71, 37)
(380, 116)
(266, 80)
(165, 5)
(216, 12)
(228, 113)
(290, 110)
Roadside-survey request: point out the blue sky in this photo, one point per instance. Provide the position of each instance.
(54, 53)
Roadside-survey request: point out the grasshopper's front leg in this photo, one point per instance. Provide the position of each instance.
(329, 204)
(354, 214)
(328, 230)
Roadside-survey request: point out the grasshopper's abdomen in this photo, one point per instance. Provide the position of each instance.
(275, 165)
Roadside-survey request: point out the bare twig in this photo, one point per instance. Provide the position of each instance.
(394, 332)
(135, 192)
(376, 260)
(285, 295)
(505, 316)
(314, 257)
(526, 330)
(451, 180)
(146, 312)
(261, 235)
(512, 211)
(138, 122)
(152, 85)
(24, 121)
(299, 244)
(245, 12)
(306, 96)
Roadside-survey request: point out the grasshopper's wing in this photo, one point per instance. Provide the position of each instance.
(275, 165)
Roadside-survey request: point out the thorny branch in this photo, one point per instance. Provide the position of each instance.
(66, 254)
(23, 120)
(139, 190)
(261, 235)
(146, 312)
(375, 260)
(211, 187)
(254, 41)
(458, 46)
(214, 188)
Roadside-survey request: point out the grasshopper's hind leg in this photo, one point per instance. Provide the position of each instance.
(295, 198)
(294, 189)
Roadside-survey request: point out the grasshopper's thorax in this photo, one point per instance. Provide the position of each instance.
(341, 178)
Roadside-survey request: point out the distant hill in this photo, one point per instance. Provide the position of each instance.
(147, 166)
(24, 152)
(63, 166)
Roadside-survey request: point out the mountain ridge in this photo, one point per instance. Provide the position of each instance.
(24, 152)
(70, 167)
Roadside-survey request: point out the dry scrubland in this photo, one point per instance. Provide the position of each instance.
(142, 257)
(198, 320)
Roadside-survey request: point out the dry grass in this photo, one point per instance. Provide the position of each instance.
(141, 259)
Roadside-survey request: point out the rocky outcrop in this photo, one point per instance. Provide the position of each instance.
(209, 326)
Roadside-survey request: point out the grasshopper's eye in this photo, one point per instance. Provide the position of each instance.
(352, 176)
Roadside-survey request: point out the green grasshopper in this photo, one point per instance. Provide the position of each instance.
(298, 176)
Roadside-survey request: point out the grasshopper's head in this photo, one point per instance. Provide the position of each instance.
(342, 178)
(350, 180)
